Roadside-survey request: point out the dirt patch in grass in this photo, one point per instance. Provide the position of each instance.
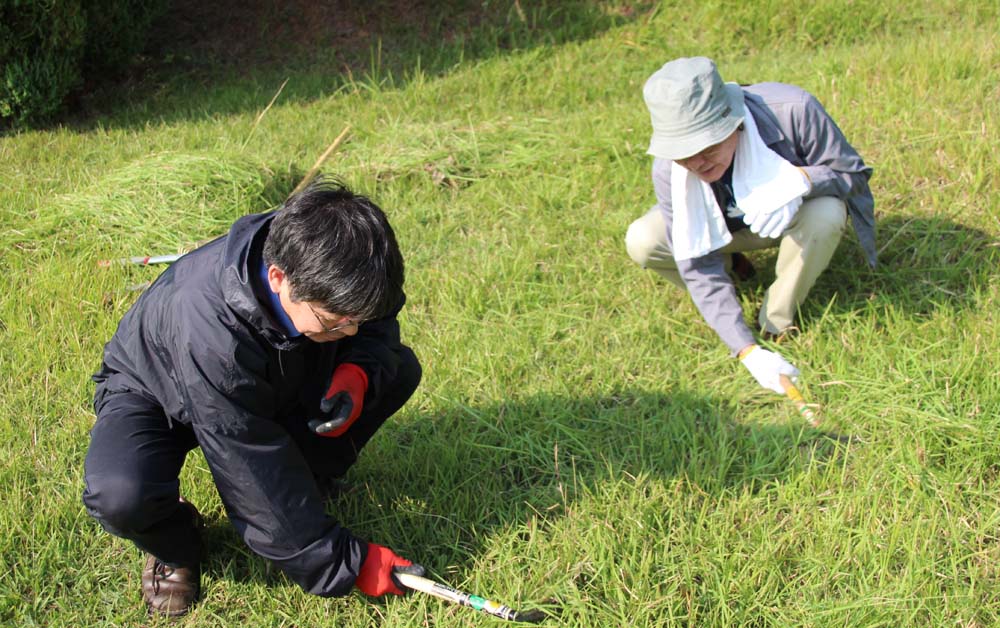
(200, 48)
(257, 33)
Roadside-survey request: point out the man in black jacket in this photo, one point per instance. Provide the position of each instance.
(275, 349)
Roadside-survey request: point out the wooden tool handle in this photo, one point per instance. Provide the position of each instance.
(800, 403)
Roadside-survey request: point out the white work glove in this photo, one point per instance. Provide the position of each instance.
(767, 366)
(773, 224)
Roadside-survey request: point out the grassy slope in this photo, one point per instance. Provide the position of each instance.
(580, 434)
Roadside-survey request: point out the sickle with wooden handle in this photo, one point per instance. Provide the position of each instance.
(800, 403)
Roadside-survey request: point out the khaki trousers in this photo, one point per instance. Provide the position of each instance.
(804, 251)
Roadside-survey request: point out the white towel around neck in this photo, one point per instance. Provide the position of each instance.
(763, 181)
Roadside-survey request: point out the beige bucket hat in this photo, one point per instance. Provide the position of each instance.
(690, 107)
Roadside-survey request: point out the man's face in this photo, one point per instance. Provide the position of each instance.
(711, 163)
(310, 319)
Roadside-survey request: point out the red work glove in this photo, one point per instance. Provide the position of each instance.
(342, 402)
(375, 578)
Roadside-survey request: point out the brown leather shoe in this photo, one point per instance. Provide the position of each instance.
(171, 591)
(743, 267)
(782, 336)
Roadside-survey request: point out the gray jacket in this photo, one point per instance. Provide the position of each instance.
(796, 126)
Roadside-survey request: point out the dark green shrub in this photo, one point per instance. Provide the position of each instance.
(47, 48)
(116, 31)
(41, 47)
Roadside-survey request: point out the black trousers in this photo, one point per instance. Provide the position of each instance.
(135, 457)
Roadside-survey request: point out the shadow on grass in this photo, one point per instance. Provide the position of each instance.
(923, 263)
(435, 487)
(206, 59)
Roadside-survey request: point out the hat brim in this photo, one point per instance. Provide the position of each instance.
(675, 147)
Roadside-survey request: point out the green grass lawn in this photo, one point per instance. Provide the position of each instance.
(581, 439)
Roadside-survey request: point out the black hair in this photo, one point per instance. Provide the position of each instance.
(337, 249)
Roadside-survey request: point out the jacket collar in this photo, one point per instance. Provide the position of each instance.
(767, 124)
(240, 286)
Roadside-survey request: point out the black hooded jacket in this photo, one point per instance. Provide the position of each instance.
(200, 343)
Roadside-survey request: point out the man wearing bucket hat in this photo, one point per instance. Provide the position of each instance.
(743, 168)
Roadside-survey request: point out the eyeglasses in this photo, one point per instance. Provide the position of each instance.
(330, 330)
